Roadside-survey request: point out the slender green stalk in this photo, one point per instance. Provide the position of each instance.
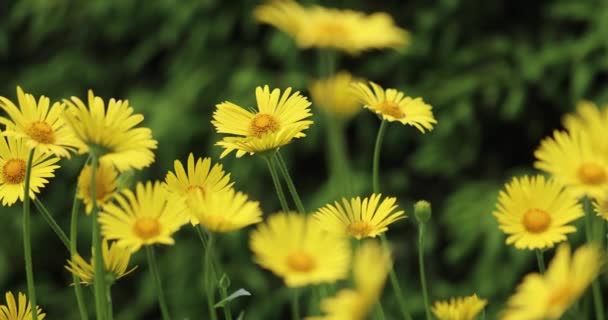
(209, 276)
(52, 223)
(595, 286)
(327, 63)
(337, 157)
(290, 185)
(541, 261)
(425, 292)
(379, 312)
(226, 307)
(27, 245)
(157, 282)
(395, 284)
(109, 301)
(376, 162)
(295, 304)
(82, 309)
(277, 184)
(99, 281)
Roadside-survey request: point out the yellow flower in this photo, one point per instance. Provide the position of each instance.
(144, 217)
(346, 30)
(106, 181)
(573, 161)
(601, 206)
(393, 105)
(279, 119)
(39, 123)
(14, 154)
(548, 296)
(536, 213)
(591, 120)
(18, 310)
(111, 132)
(224, 210)
(115, 259)
(359, 218)
(460, 308)
(334, 96)
(296, 249)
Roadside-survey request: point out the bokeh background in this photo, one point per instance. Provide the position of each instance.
(499, 74)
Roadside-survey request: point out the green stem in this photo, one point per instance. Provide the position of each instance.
(73, 251)
(379, 312)
(295, 304)
(395, 284)
(597, 291)
(376, 161)
(157, 282)
(338, 157)
(290, 185)
(425, 292)
(277, 185)
(52, 223)
(109, 301)
(327, 63)
(27, 245)
(99, 281)
(209, 277)
(541, 261)
(226, 307)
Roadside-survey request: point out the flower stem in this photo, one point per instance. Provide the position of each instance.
(99, 281)
(541, 261)
(376, 161)
(109, 301)
(327, 63)
(395, 284)
(52, 223)
(209, 276)
(290, 185)
(337, 157)
(157, 282)
(425, 292)
(27, 246)
(226, 307)
(595, 286)
(277, 185)
(73, 251)
(295, 304)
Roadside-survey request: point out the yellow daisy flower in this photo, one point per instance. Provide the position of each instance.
(334, 96)
(461, 308)
(106, 182)
(573, 161)
(143, 217)
(359, 218)
(294, 248)
(39, 123)
(115, 259)
(591, 120)
(224, 210)
(18, 310)
(111, 132)
(14, 154)
(279, 119)
(601, 206)
(548, 296)
(536, 213)
(393, 105)
(346, 30)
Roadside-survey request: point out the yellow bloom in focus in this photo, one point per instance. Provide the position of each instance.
(334, 96)
(106, 181)
(18, 310)
(393, 105)
(536, 213)
(548, 296)
(144, 217)
(224, 211)
(14, 154)
(460, 308)
(39, 123)
(279, 119)
(346, 30)
(572, 160)
(115, 260)
(296, 249)
(359, 218)
(111, 132)
(591, 120)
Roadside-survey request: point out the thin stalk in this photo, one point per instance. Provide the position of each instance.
(376, 161)
(109, 301)
(541, 261)
(395, 284)
(27, 245)
(209, 276)
(295, 304)
(82, 309)
(337, 157)
(327, 63)
(425, 292)
(226, 307)
(99, 281)
(595, 286)
(217, 270)
(290, 185)
(379, 312)
(157, 282)
(277, 185)
(52, 223)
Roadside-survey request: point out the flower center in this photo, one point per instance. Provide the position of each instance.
(560, 297)
(146, 228)
(536, 220)
(41, 132)
(195, 188)
(262, 124)
(591, 173)
(332, 29)
(13, 171)
(300, 261)
(359, 229)
(391, 108)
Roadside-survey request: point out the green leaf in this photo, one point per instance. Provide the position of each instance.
(238, 293)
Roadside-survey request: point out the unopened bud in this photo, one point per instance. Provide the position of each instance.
(422, 211)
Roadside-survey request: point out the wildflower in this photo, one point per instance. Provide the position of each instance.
(106, 181)
(600, 206)
(224, 210)
(18, 310)
(115, 259)
(334, 96)
(461, 308)
(591, 120)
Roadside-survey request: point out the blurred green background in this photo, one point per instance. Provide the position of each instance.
(499, 75)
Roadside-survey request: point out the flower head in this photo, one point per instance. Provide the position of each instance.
(106, 182)
(14, 154)
(111, 132)
(18, 310)
(334, 96)
(600, 205)
(460, 308)
(224, 210)
(591, 120)
(548, 296)
(296, 249)
(115, 260)
(359, 218)
(40, 123)
(536, 213)
(393, 105)
(278, 120)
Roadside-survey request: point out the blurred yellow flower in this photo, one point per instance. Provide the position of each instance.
(573, 161)
(359, 218)
(393, 105)
(115, 259)
(296, 249)
(346, 30)
(548, 296)
(461, 308)
(144, 217)
(224, 210)
(334, 95)
(279, 119)
(601, 206)
(39, 123)
(536, 213)
(111, 132)
(18, 310)
(106, 181)
(14, 154)
(591, 120)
